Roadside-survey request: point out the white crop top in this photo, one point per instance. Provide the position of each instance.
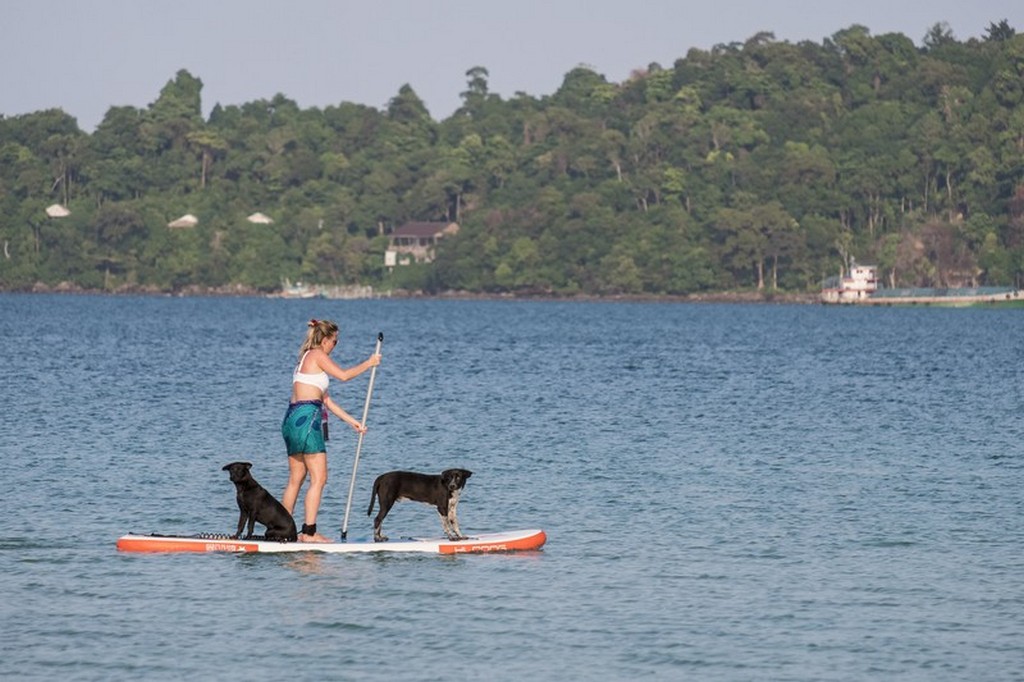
(318, 379)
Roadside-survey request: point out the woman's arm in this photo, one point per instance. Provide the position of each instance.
(343, 415)
(323, 360)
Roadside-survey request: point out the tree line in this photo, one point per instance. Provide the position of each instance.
(762, 165)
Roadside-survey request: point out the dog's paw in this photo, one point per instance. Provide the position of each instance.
(380, 538)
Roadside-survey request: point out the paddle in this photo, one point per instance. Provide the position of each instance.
(359, 444)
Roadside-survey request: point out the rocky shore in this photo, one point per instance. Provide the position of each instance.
(240, 290)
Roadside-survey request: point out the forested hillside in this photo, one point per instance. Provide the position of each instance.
(761, 165)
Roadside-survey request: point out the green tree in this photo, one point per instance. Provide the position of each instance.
(209, 145)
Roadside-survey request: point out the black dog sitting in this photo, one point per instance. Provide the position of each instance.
(441, 491)
(256, 504)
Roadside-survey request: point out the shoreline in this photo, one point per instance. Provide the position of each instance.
(242, 291)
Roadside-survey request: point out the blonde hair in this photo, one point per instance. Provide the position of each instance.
(318, 331)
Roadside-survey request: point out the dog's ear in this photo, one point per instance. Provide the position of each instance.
(466, 473)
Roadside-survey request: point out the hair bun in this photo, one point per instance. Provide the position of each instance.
(313, 322)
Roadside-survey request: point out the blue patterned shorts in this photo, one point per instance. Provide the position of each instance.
(302, 428)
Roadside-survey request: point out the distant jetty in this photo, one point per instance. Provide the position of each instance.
(860, 287)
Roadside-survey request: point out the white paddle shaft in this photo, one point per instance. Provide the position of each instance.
(359, 444)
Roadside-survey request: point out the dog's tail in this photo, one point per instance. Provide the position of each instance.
(373, 497)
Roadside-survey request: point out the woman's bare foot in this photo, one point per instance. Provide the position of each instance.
(316, 537)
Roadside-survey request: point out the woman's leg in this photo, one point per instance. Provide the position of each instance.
(316, 464)
(296, 477)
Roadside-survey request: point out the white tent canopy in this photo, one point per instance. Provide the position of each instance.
(260, 218)
(187, 220)
(57, 211)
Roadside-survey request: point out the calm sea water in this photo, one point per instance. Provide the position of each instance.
(730, 492)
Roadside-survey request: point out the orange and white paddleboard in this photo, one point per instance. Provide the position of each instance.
(511, 541)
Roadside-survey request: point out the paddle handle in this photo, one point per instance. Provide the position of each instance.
(359, 443)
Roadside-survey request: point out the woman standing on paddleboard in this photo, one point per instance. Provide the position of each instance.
(303, 426)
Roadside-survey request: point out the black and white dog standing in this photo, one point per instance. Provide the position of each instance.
(441, 491)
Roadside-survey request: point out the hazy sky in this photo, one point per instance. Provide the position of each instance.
(85, 56)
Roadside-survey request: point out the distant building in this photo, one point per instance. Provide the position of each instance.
(260, 219)
(859, 285)
(187, 220)
(416, 242)
(57, 211)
